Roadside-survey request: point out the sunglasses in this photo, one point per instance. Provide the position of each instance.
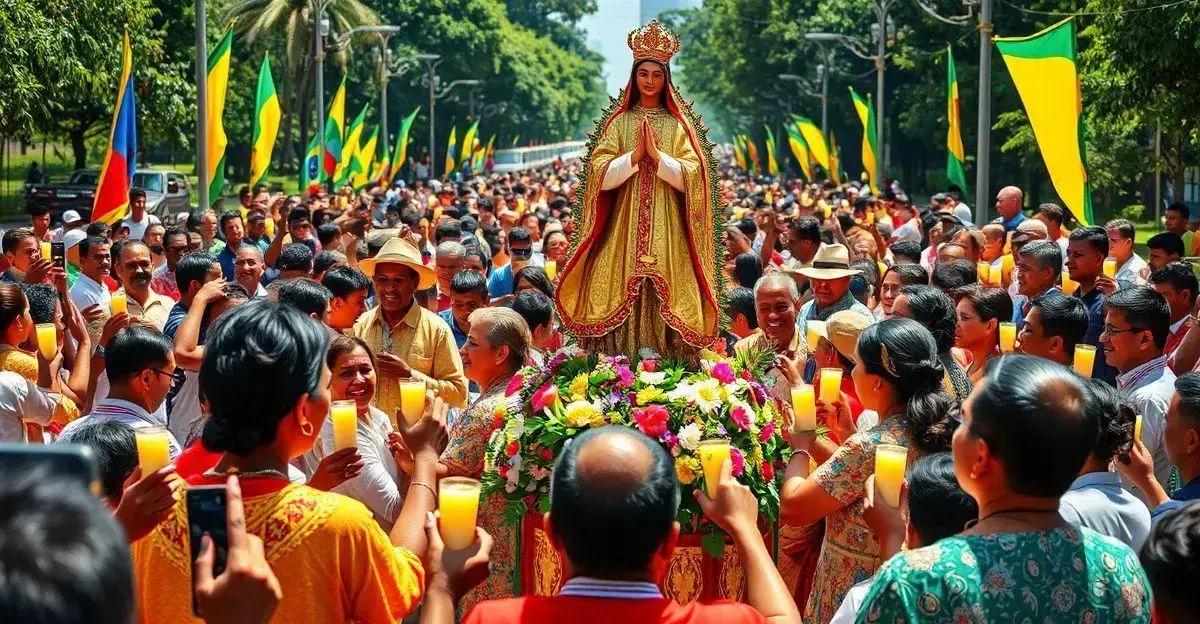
(523, 254)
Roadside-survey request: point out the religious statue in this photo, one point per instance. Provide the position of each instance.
(644, 272)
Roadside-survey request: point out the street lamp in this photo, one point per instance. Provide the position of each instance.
(436, 92)
(823, 96)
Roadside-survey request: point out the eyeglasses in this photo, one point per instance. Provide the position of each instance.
(1112, 331)
(163, 373)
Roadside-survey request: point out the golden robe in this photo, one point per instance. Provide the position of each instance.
(644, 271)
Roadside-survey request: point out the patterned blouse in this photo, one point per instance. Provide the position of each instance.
(849, 553)
(1068, 574)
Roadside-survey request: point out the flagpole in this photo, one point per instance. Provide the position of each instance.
(319, 70)
(202, 103)
(984, 145)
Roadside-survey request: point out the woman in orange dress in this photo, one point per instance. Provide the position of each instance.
(266, 385)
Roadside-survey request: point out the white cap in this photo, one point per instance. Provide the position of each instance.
(72, 238)
(71, 216)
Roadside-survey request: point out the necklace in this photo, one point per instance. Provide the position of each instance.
(249, 474)
(975, 523)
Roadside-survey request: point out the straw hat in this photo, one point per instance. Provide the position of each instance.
(831, 262)
(402, 252)
(842, 330)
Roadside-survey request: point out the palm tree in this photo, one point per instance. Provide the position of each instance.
(290, 22)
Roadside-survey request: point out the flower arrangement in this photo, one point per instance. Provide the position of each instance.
(669, 401)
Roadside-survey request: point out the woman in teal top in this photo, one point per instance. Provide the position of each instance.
(1023, 437)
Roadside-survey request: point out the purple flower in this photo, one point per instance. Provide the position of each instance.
(670, 440)
(723, 372)
(738, 461)
(758, 393)
(624, 376)
(766, 432)
(722, 431)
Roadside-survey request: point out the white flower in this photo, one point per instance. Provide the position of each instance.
(684, 391)
(689, 436)
(709, 395)
(652, 379)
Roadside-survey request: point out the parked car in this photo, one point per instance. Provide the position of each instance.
(166, 193)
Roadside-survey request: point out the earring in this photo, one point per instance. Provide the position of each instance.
(306, 429)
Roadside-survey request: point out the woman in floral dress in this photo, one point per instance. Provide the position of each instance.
(897, 374)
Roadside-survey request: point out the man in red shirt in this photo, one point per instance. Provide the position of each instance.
(613, 500)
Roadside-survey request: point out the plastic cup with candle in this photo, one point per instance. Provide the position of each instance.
(47, 338)
(1110, 267)
(1008, 337)
(1085, 359)
(118, 303)
(712, 454)
(412, 400)
(889, 471)
(804, 405)
(458, 510)
(984, 271)
(1068, 285)
(45, 250)
(345, 424)
(831, 385)
(813, 330)
(551, 268)
(154, 448)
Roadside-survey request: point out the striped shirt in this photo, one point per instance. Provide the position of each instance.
(590, 587)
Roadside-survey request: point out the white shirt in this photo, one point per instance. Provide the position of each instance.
(853, 601)
(184, 416)
(1096, 501)
(88, 292)
(103, 388)
(1150, 388)
(1133, 270)
(376, 485)
(21, 399)
(121, 411)
(137, 230)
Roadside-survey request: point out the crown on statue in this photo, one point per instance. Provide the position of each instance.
(653, 42)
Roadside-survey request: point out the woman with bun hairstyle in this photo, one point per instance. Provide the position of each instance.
(897, 373)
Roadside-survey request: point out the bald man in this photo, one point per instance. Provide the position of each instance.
(613, 500)
(1008, 205)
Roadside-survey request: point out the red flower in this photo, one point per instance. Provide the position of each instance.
(723, 372)
(649, 365)
(544, 397)
(738, 461)
(514, 385)
(768, 471)
(503, 470)
(652, 420)
(766, 432)
(497, 419)
(742, 417)
(512, 449)
(546, 454)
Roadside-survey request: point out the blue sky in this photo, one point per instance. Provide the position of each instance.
(606, 30)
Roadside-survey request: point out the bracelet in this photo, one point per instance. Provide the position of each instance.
(100, 351)
(426, 486)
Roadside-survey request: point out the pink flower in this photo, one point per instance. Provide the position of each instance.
(768, 471)
(624, 376)
(649, 365)
(512, 449)
(546, 454)
(738, 461)
(723, 372)
(652, 420)
(514, 385)
(766, 432)
(544, 397)
(741, 416)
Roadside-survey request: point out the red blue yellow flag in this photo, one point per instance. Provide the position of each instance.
(120, 158)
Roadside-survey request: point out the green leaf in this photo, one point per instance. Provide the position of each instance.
(713, 544)
(543, 504)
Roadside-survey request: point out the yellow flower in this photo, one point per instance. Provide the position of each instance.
(579, 386)
(687, 469)
(581, 414)
(649, 394)
(599, 419)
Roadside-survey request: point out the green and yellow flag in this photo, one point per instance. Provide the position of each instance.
(490, 152)
(451, 146)
(365, 160)
(1043, 69)
(772, 163)
(350, 149)
(400, 154)
(739, 156)
(870, 149)
(266, 123)
(800, 151)
(468, 145)
(752, 152)
(335, 131)
(310, 173)
(383, 166)
(955, 158)
(835, 161)
(815, 140)
(218, 84)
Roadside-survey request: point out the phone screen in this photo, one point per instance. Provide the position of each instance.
(206, 514)
(58, 254)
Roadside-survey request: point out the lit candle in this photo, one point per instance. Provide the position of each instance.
(713, 453)
(47, 338)
(412, 400)
(1008, 337)
(153, 446)
(831, 385)
(551, 268)
(889, 471)
(458, 510)
(345, 424)
(118, 303)
(813, 330)
(1110, 267)
(1137, 427)
(1085, 359)
(804, 406)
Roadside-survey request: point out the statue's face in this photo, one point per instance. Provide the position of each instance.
(650, 79)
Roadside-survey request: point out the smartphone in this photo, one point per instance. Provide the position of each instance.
(64, 463)
(206, 515)
(58, 254)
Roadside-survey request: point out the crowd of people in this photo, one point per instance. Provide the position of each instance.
(1033, 492)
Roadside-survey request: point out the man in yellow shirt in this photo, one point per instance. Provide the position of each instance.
(409, 341)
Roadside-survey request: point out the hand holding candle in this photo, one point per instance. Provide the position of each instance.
(551, 268)
(118, 303)
(804, 406)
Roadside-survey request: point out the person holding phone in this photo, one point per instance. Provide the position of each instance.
(266, 386)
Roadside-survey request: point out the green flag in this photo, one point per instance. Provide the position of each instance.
(401, 152)
(955, 171)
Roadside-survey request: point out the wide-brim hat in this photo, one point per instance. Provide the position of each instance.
(843, 328)
(831, 262)
(399, 251)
